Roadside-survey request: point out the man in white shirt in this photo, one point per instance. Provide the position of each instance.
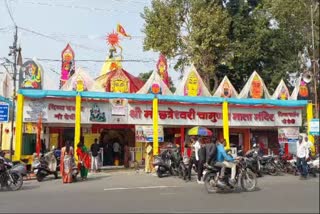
(302, 154)
(309, 145)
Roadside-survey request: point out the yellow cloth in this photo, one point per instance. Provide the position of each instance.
(148, 160)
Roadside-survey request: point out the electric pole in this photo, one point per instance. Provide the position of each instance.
(13, 52)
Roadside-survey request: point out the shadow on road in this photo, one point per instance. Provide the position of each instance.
(89, 179)
(23, 188)
(238, 190)
(30, 187)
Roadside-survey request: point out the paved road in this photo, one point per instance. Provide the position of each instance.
(138, 192)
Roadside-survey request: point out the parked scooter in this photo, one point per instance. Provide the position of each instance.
(46, 165)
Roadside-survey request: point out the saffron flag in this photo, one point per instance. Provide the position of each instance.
(122, 31)
(39, 127)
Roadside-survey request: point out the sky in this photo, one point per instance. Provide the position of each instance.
(83, 23)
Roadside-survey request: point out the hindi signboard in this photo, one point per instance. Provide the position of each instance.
(4, 112)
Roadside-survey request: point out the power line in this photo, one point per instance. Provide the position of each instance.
(95, 60)
(73, 6)
(61, 40)
(8, 9)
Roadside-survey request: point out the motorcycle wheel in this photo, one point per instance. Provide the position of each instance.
(56, 175)
(159, 173)
(209, 184)
(39, 177)
(272, 169)
(17, 182)
(249, 180)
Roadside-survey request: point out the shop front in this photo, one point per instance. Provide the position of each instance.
(111, 120)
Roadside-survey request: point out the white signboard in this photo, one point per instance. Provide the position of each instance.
(314, 127)
(145, 134)
(212, 116)
(288, 134)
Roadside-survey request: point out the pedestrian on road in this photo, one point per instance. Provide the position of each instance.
(302, 154)
(95, 148)
(84, 160)
(195, 146)
(201, 161)
(66, 162)
(149, 158)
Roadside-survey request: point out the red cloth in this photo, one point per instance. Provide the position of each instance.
(84, 157)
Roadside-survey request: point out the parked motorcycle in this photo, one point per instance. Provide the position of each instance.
(183, 167)
(165, 164)
(268, 165)
(246, 179)
(253, 161)
(46, 165)
(10, 175)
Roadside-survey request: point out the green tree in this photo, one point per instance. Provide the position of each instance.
(193, 31)
(233, 37)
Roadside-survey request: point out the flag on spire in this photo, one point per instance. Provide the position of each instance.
(122, 31)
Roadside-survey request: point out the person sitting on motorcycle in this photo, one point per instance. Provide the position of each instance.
(211, 152)
(224, 160)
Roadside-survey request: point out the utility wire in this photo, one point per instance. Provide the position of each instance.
(95, 60)
(92, 9)
(61, 40)
(8, 9)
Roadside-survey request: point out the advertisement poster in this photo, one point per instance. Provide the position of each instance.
(145, 134)
(288, 134)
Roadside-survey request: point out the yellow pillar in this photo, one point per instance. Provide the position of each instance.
(77, 128)
(225, 117)
(19, 126)
(155, 125)
(310, 117)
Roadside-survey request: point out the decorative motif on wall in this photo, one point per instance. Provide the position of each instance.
(67, 65)
(30, 75)
(256, 88)
(96, 115)
(192, 86)
(119, 83)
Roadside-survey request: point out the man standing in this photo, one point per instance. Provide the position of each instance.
(201, 162)
(195, 146)
(302, 154)
(94, 152)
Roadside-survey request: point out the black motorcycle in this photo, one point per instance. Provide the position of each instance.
(10, 175)
(183, 167)
(253, 161)
(246, 179)
(166, 164)
(268, 165)
(41, 166)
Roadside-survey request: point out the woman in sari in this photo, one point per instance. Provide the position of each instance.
(66, 162)
(84, 160)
